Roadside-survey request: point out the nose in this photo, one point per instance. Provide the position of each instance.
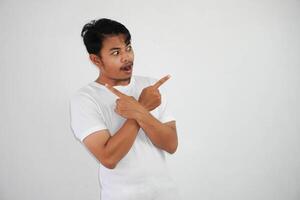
(125, 57)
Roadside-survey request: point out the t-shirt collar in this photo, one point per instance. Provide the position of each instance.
(121, 88)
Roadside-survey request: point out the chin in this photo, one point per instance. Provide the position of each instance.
(125, 78)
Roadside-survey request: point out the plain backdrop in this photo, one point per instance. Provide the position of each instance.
(235, 92)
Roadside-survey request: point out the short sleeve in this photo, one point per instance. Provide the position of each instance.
(86, 117)
(165, 113)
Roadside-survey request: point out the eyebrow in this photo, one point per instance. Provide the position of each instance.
(117, 48)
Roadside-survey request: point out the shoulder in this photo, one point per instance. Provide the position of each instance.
(83, 94)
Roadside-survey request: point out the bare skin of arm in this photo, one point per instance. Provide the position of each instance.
(162, 135)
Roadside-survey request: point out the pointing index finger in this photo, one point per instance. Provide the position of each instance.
(114, 90)
(161, 81)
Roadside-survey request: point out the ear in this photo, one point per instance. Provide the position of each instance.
(96, 60)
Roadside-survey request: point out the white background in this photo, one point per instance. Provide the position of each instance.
(235, 91)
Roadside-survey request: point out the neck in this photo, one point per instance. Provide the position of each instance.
(113, 82)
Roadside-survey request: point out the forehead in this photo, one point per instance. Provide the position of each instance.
(115, 41)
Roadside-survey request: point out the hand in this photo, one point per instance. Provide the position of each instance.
(127, 106)
(150, 97)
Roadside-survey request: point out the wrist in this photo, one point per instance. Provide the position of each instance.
(142, 116)
(143, 104)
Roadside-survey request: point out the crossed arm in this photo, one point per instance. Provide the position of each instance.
(109, 150)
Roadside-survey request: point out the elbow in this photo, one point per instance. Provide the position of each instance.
(109, 163)
(173, 144)
(111, 166)
(172, 151)
(172, 148)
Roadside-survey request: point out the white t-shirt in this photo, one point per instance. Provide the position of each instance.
(142, 173)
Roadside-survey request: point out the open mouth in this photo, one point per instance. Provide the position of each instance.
(126, 68)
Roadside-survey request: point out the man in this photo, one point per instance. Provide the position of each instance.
(123, 119)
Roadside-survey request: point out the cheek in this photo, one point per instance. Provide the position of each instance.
(113, 64)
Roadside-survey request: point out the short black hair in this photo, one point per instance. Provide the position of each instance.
(96, 31)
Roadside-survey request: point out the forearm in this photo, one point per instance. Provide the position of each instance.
(120, 143)
(161, 135)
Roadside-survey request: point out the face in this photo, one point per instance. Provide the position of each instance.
(115, 61)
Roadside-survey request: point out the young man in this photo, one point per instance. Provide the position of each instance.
(123, 119)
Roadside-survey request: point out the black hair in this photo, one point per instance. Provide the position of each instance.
(96, 31)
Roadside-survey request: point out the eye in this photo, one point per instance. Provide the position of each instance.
(129, 48)
(115, 53)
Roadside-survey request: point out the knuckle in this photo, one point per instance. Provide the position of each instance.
(157, 95)
(147, 89)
